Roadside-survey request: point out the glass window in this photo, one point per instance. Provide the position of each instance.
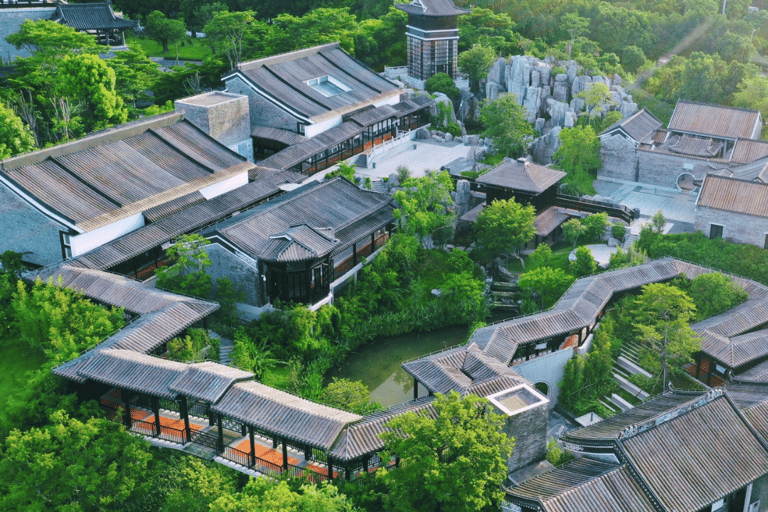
(715, 231)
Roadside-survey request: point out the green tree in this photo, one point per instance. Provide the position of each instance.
(546, 282)
(227, 31)
(454, 462)
(486, 27)
(584, 264)
(475, 62)
(15, 136)
(597, 99)
(573, 230)
(265, 495)
(250, 356)
(187, 274)
(349, 395)
(658, 222)
(715, 293)
(505, 123)
(753, 93)
(318, 26)
(89, 81)
(72, 465)
(579, 156)
(443, 83)
(379, 41)
(505, 226)
(595, 225)
(426, 209)
(135, 74)
(575, 26)
(60, 322)
(542, 256)
(662, 315)
(164, 30)
(633, 58)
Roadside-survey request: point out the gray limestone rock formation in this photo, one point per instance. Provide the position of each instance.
(491, 90)
(532, 103)
(560, 92)
(497, 73)
(545, 146)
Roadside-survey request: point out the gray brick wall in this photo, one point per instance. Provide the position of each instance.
(623, 162)
(619, 159)
(24, 229)
(529, 428)
(226, 264)
(263, 112)
(737, 227)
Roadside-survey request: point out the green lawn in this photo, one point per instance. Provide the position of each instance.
(17, 360)
(189, 48)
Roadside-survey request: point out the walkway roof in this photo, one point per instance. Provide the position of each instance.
(284, 415)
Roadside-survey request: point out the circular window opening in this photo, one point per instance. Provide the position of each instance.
(685, 181)
(542, 387)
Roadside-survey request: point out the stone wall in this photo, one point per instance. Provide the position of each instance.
(529, 428)
(224, 117)
(619, 159)
(263, 112)
(25, 230)
(737, 227)
(241, 272)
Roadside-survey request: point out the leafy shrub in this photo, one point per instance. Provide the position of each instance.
(619, 231)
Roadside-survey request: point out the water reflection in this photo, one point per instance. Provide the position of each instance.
(377, 364)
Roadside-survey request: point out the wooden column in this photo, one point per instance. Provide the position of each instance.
(156, 410)
(698, 364)
(365, 465)
(307, 452)
(285, 456)
(127, 402)
(185, 416)
(242, 429)
(211, 416)
(397, 462)
(347, 473)
(221, 433)
(253, 445)
(354, 254)
(330, 466)
(274, 442)
(415, 388)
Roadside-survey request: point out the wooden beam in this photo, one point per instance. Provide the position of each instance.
(184, 410)
(253, 445)
(285, 456)
(156, 410)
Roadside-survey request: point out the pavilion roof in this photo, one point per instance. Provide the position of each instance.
(432, 8)
(299, 224)
(92, 16)
(284, 415)
(641, 125)
(521, 175)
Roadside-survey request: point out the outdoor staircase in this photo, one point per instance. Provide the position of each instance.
(629, 240)
(225, 352)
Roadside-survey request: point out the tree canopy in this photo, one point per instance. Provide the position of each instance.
(424, 210)
(505, 123)
(505, 226)
(475, 63)
(187, 273)
(15, 136)
(454, 462)
(546, 282)
(579, 156)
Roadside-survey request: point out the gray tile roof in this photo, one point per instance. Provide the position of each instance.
(733, 195)
(583, 485)
(432, 8)
(521, 175)
(208, 381)
(283, 78)
(135, 371)
(123, 171)
(715, 120)
(95, 16)
(10, 23)
(697, 458)
(335, 204)
(641, 126)
(283, 414)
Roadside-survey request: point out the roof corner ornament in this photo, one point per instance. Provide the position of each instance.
(628, 432)
(714, 393)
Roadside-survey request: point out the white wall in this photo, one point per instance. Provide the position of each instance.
(87, 241)
(225, 186)
(314, 129)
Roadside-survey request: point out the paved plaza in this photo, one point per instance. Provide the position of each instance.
(428, 155)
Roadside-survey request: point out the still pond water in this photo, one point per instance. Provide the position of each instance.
(377, 364)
